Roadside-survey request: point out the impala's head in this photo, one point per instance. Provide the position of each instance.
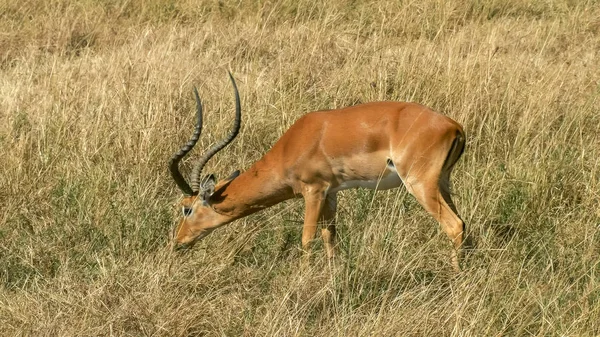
(198, 216)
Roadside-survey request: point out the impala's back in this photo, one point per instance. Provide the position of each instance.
(369, 145)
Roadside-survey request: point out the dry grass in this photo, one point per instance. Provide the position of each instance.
(95, 97)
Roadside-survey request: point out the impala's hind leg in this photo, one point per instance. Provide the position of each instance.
(436, 200)
(428, 179)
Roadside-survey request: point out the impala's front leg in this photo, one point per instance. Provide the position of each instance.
(327, 220)
(314, 199)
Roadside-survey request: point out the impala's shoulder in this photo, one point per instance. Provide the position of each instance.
(314, 119)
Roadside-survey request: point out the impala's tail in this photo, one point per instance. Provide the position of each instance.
(456, 150)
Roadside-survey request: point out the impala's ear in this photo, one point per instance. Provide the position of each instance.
(233, 176)
(208, 186)
(217, 196)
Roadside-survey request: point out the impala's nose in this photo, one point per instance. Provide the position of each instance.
(181, 247)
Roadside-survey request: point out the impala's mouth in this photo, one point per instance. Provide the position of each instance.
(185, 246)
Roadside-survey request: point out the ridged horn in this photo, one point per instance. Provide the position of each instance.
(195, 180)
(174, 162)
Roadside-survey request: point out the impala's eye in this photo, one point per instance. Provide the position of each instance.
(187, 211)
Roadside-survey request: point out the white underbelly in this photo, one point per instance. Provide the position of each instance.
(392, 180)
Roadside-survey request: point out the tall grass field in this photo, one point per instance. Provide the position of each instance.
(95, 97)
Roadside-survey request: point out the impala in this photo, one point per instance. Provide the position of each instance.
(378, 145)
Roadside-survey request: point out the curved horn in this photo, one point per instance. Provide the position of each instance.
(174, 162)
(220, 145)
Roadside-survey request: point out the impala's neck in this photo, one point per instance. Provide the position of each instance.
(258, 188)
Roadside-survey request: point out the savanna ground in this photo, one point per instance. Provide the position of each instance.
(96, 96)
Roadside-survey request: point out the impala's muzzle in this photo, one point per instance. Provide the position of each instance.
(183, 247)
